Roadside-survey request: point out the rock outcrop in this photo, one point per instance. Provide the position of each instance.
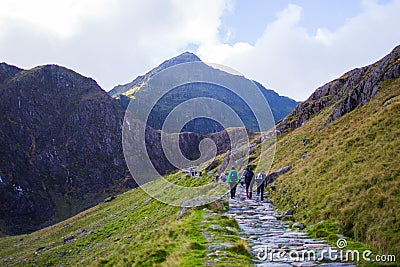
(344, 94)
(275, 174)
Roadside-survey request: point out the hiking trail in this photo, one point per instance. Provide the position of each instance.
(261, 228)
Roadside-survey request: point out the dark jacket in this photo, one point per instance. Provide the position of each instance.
(248, 176)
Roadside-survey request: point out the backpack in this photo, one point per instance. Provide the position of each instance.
(260, 178)
(234, 176)
(248, 176)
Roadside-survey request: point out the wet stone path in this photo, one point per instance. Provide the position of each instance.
(272, 242)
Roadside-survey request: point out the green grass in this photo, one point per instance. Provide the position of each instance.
(132, 230)
(351, 175)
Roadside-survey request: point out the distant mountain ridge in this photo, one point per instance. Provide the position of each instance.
(280, 106)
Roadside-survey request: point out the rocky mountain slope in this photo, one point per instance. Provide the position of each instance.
(280, 106)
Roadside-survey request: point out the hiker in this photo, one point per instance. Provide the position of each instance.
(260, 181)
(233, 180)
(216, 178)
(223, 176)
(248, 177)
(242, 180)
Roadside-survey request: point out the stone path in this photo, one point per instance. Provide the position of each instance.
(271, 240)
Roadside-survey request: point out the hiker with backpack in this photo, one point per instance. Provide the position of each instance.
(248, 179)
(224, 176)
(233, 180)
(260, 181)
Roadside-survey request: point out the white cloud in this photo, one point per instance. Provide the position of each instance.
(58, 17)
(115, 40)
(221, 53)
(111, 41)
(294, 63)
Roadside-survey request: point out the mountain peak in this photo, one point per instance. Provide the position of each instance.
(7, 71)
(187, 57)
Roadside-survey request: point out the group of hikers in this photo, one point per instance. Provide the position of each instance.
(247, 178)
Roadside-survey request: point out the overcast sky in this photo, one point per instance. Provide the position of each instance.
(289, 46)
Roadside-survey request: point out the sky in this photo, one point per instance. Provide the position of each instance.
(292, 47)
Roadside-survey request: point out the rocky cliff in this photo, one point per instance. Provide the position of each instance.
(354, 88)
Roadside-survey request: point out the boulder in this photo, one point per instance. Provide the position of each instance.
(274, 175)
(109, 199)
(298, 225)
(288, 212)
(68, 239)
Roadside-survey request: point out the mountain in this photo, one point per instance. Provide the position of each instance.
(62, 148)
(280, 106)
(343, 145)
(137, 89)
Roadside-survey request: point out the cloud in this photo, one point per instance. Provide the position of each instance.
(61, 18)
(111, 41)
(293, 62)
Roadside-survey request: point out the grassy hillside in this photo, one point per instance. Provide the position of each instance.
(348, 173)
(133, 230)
